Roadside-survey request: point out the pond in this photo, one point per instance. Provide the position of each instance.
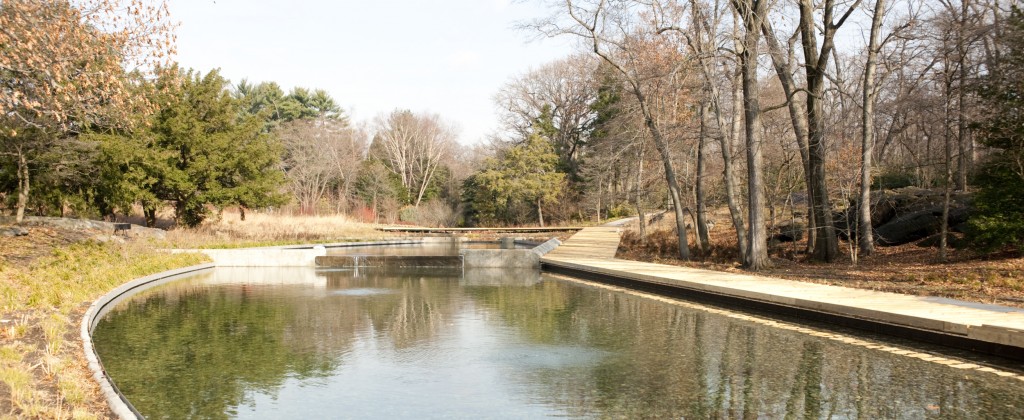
(301, 343)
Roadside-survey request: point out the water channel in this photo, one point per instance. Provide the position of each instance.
(302, 343)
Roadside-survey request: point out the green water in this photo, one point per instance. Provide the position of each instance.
(294, 343)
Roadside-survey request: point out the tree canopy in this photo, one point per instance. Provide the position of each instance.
(1000, 199)
(524, 174)
(63, 70)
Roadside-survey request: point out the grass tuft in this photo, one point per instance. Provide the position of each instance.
(19, 381)
(54, 327)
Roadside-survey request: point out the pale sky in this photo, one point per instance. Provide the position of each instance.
(447, 57)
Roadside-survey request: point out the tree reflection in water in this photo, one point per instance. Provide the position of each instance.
(204, 348)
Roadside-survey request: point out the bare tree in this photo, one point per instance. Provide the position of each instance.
(753, 13)
(865, 236)
(700, 38)
(555, 101)
(826, 246)
(628, 45)
(319, 154)
(413, 147)
(782, 62)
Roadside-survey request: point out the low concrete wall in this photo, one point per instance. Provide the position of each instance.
(354, 261)
(295, 255)
(500, 277)
(118, 404)
(507, 258)
(546, 247)
(500, 258)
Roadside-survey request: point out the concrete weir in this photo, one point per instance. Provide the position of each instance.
(316, 256)
(375, 261)
(507, 257)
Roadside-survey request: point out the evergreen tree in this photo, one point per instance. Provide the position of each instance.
(202, 153)
(526, 173)
(999, 220)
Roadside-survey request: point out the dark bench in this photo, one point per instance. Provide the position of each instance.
(122, 227)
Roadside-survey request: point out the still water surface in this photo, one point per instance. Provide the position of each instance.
(298, 343)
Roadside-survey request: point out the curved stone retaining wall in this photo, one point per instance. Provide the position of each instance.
(118, 404)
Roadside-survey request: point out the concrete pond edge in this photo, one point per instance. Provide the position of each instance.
(115, 400)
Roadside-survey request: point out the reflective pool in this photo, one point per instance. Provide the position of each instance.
(298, 343)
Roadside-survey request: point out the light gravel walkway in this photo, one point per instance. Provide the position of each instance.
(592, 250)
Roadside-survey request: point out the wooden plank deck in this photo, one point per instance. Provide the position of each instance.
(592, 250)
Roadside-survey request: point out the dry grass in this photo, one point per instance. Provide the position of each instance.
(42, 369)
(267, 229)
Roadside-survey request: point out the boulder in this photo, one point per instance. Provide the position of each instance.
(887, 205)
(12, 231)
(917, 225)
(787, 232)
(108, 238)
(91, 225)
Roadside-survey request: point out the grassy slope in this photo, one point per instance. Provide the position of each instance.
(49, 278)
(42, 369)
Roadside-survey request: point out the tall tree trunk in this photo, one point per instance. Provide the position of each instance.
(797, 117)
(670, 173)
(962, 155)
(641, 217)
(826, 246)
(948, 155)
(865, 236)
(753, 12)
(726, 142)
(732, 189)
(23, 186)
(702, 219)
(540, 213)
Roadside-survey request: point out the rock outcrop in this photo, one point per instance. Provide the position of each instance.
(906, 215)
(104, 228)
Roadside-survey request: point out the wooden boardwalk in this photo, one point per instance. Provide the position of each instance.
(592, 250)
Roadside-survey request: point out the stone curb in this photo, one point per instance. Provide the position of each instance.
(115, 400)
